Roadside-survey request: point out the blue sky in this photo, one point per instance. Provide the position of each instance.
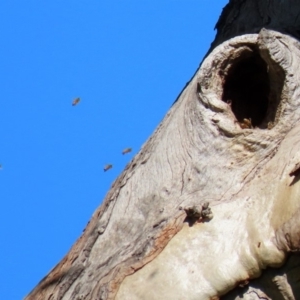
(127, 61)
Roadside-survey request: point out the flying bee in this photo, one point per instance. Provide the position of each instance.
(107, 167)
(126, 150)
(75, 101)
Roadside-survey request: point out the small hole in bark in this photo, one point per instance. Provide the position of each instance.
(246, 89)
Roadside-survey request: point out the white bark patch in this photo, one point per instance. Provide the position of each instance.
(243, 172)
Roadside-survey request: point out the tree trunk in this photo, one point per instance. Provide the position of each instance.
(209, 208)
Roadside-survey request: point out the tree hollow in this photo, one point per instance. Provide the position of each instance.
(247, 88)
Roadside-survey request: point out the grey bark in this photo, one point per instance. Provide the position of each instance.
(209, 208)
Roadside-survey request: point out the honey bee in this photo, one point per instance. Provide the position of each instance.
(75, 101)
(246, 123)
(126, 150)
(107, 167)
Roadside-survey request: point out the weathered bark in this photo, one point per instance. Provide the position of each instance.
(227, 149)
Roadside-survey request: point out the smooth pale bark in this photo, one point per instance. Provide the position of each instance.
(231, 141)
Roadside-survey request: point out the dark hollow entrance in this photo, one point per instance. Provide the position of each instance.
(247, 89)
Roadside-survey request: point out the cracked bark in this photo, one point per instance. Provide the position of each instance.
(231, 140)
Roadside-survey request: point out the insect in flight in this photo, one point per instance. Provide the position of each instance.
(126, 150)
(107, 167)
(75, 101)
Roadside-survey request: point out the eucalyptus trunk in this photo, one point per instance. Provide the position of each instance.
(209, 208)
